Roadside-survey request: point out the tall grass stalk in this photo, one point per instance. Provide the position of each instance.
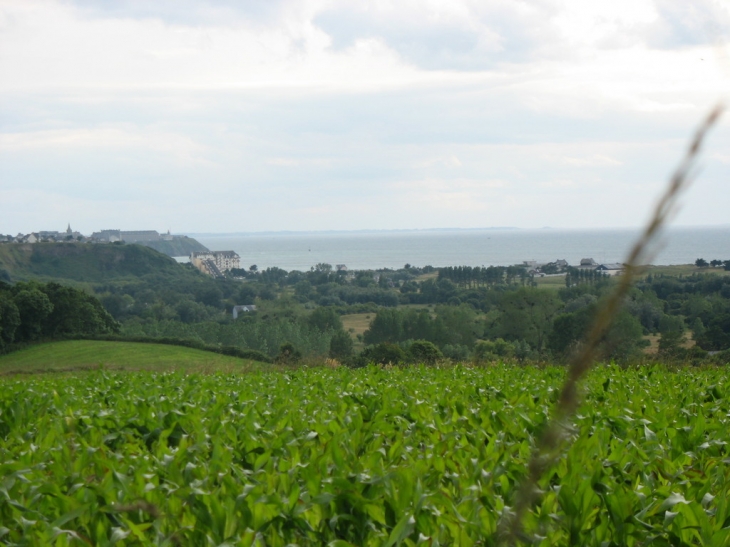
(551, 443)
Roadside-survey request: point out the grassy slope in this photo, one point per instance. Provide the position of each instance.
(84, 262)
(86, 354)
(180, 246)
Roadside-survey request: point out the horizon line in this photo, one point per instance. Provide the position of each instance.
(452, 229)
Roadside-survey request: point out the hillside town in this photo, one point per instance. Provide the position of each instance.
(102, 236)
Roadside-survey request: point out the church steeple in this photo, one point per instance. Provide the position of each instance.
(68, 230)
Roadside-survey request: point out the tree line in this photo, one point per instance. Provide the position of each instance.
(34, 311)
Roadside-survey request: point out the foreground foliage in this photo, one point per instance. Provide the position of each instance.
(364, 457)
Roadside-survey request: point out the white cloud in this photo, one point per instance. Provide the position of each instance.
(321, 114)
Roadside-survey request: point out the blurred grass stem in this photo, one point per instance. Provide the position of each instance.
(547, 450)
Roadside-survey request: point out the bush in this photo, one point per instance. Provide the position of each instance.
(383, 354)
(456, 352)
(422, 351)
(493, 350)
(288, 354)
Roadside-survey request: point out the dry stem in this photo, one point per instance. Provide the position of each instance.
(547, 449)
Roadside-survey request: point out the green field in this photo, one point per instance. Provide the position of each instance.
(682, 269)
(550, 282)
(76, 355)
(404, 456)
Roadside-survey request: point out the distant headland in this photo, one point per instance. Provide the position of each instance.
(167, 243)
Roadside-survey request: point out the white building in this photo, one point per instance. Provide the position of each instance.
(215, 262)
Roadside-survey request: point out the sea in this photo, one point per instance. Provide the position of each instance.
(468, 247)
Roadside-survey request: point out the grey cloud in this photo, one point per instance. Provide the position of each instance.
(495, 36)
(683, 23)
(185, 12)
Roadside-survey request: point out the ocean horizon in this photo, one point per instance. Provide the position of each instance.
(495, 246)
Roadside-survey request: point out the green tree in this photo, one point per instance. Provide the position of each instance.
(75, 312)
(568, 329)
(191, 312)
(493, 350)
(672, 335)
(527, 314)
(33, 306)
(341, 345)
(323, 267)
(717, 334)
(386, 327)
(9, 320)
(383, 354)
(624, 339)
(325, 319)
(424, 352)
(288, 354)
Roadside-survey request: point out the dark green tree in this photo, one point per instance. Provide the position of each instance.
(34, 307)
(386, 327)
(383, 354)
(527, 314)
(424, 352)
(671, 329)
(9, 320)
(341, 345)
(324, 319)
(624, 340)
(288, 354)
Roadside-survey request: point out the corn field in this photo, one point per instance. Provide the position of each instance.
(368, 457)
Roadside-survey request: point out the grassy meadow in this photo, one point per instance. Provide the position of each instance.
(79, 355)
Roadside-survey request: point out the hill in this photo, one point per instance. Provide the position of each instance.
(83, 262)
(76, 355)
(179, 246)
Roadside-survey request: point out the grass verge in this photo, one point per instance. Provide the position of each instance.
(74, 355)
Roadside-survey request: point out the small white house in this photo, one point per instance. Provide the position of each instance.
(246, 308)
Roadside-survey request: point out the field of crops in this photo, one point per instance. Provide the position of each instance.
(416, 456)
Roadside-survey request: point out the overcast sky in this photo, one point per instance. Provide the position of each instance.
(363, 114)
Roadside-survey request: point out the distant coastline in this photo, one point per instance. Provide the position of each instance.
(346, 232)
(364, 250)
(376, 231)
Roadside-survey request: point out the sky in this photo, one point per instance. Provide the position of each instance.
(267, 115)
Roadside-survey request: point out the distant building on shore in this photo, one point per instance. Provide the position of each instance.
(611, 269)
(215, 263)
(588, 264)
(129, 236)
(107, 236)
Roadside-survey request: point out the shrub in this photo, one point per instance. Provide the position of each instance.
(422, 351)
(383, 354)
(288, 354)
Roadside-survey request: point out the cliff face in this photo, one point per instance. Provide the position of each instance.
(83, 262)
(179, 246)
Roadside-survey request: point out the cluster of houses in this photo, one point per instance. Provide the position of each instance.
(561, 266)
(44, 235)
(103, 236)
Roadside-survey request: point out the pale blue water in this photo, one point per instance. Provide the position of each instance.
(373, 250)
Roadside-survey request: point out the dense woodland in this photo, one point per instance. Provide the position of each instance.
(414, 313)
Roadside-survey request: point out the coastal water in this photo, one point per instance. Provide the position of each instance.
(488, 247)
